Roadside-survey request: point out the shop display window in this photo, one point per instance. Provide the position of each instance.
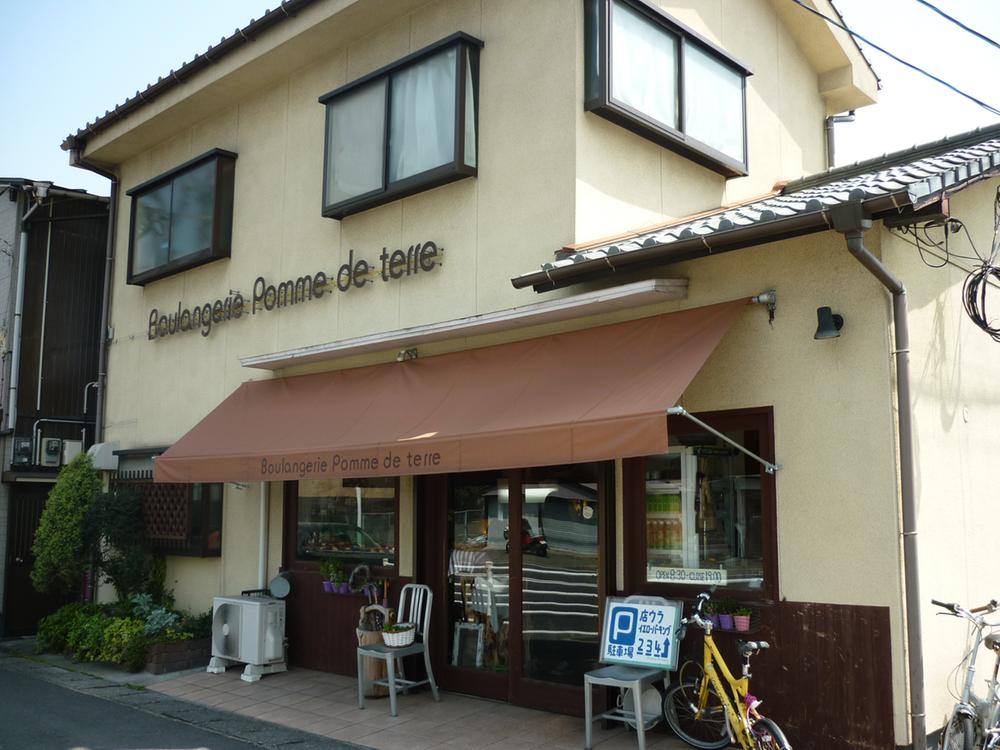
(706, 510)
(352, 521)
(182, 218)
(653, 75)
(405, 128)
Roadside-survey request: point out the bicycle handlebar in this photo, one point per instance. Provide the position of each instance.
(958, 611)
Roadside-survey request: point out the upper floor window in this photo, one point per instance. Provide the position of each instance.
(182, 218)
(405, 128)
(658, 78)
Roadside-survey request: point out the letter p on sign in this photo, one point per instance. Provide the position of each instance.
(623, 625)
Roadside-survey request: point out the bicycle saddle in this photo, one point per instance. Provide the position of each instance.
(748, 648)
(992, 641)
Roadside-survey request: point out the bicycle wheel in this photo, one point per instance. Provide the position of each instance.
(960, 734)
(709, 731)
(767, 735)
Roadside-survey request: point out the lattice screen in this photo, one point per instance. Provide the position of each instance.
(167, 508)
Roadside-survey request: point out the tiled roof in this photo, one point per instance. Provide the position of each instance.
(898, 182)
(286, 9)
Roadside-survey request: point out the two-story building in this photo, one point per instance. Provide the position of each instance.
(328, 227)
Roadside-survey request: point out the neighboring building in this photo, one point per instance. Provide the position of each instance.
(50, 334)
(318, 224)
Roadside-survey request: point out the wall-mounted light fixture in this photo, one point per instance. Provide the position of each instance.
(405, 355)
(829, 323)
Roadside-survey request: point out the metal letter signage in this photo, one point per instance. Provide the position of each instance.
(641, 635)
(354, 274)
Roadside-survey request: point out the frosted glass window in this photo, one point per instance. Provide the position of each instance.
(643, 65)
(646, 71)
(191, 211)
(405, 128)
(422, 123)
(713, 106)
(355, 147)
(151, 245)
(470, 114)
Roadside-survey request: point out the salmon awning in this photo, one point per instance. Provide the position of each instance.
(587, 395)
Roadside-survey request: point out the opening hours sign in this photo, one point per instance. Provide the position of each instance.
(641, 635)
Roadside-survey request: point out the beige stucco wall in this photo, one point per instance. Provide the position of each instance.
(956, 400)
(625, 181)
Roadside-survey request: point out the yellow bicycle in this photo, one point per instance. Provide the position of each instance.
(704, 713)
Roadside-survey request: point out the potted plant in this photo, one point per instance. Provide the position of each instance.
(725, 611)
(400, 634)
(341, 581)
(329, 569)
(712, 613)
(741, 618)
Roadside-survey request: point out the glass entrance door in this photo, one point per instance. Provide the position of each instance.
(523, 582)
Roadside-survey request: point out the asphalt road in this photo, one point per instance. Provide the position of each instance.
(39, 715)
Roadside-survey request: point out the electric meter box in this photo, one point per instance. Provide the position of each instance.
(51, 454)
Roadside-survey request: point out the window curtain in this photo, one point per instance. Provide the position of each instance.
(422, 116)
(713, 106)
(354, 148)
(643, 65)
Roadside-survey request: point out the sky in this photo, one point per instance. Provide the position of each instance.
(67, 62)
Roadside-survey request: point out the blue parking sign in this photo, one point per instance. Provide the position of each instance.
(641, 635)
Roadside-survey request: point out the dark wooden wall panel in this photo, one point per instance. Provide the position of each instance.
(827, 679)
(72, 319)
(321, 626)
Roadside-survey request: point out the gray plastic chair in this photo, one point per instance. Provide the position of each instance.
(415, 602)
(624, 678)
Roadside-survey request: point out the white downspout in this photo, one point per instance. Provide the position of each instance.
(15, 351)
(262, 551)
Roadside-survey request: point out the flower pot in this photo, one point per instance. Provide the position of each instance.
(742, 622)
(400, 638)
(714, 619)
(726, 622)
(328, 587)
(344, 588)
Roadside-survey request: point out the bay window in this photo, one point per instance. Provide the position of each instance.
(405, 128)
(654, 76)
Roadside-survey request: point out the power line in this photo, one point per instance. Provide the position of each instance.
(959, 23)
(970, 97)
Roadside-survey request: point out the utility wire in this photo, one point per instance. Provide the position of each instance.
(911, 66)
(959, 23)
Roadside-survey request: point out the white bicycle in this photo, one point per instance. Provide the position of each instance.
(975, 723)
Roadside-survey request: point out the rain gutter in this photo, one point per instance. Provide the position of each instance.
(696, 246)
(851, 221)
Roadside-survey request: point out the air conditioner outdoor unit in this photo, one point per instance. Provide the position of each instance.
(248, 630)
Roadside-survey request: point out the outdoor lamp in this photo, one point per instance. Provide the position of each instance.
(830, 323)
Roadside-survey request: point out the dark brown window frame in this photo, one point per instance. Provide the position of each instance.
(634, 521)
(441, 175)
(290, 519)
(597, 85)
(222, 216)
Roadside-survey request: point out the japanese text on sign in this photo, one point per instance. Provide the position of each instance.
(641, 634)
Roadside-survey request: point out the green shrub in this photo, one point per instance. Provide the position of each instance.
(124, 642)
(86, 637)
(115, 530)
(53, 631)
(157, 619)
(60, 552)
(199, 626)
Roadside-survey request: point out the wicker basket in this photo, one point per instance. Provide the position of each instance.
(400, 638)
